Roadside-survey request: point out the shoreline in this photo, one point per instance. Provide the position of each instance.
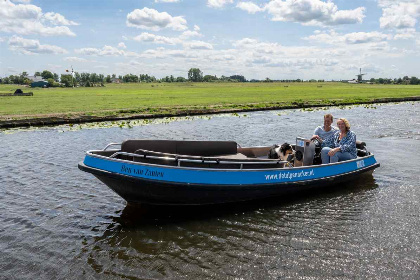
(56, 120)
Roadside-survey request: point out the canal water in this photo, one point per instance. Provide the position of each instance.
(57, 222)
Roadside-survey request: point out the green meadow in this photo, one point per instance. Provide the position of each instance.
(173, 98)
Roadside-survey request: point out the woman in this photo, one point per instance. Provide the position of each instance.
(341, 146)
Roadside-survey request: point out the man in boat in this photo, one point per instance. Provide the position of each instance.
(323, 132)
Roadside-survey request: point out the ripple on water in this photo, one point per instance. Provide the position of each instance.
(60, 223)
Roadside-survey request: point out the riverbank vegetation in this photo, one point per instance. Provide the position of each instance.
(157, 99)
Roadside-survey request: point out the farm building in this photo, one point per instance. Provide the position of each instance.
(39, 84)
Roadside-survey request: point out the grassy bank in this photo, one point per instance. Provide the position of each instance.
(124, 100)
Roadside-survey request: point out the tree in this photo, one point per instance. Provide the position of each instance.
(239, 78)
(108, 79)
(414, 81)
(50, 82)
(55, 76)
(209, 78)
(47, 75)
(195, 75)
(181, 80)
(77, 77)
(37, 74)
(84, 78)
(93, 78)
(67, 80)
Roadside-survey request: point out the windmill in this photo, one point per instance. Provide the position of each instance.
(360, 76)
(72, 75)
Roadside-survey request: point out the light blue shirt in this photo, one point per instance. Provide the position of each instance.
(325, 134)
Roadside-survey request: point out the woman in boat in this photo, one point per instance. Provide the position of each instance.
(323, 132)
(341, 146)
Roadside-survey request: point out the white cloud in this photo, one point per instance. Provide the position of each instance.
(260, 47)
(218, 3)
(399, 14)
(365, 37)
(313, 12)
(350, 38)
(405, 34)
(28, 20)
(105, 51)
(306, 63)
(58, 19)
(151, 19)
(166, 1)
(29, 47)
(75, 59)
(198, 45)
(22, 1)
(156, 39)
(250, 7)
(188, 34)
(121, 45)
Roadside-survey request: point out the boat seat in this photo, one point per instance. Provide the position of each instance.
(235, 156)
(178, 147)
(163, 146)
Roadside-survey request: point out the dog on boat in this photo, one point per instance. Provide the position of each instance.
(281, 152)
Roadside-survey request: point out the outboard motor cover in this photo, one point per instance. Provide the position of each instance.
(307, 149)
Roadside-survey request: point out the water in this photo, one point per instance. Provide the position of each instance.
(57, 222)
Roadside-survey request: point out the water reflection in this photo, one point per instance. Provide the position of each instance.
(134, 215)
(162, 241)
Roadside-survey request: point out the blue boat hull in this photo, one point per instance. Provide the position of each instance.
(172, 185)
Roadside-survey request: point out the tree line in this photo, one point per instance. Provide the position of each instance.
(193, 75)
(400, 81)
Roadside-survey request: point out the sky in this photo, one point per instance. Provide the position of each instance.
(278, 39)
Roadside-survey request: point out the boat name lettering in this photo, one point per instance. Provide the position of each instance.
(153, 173)
(360, 163)
(145, 172)
(290, 175)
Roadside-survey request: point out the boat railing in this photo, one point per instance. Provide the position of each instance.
(203, 160)
(111, 144)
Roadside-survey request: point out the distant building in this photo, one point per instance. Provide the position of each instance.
(39, 84)
(115, 80)
(36, 78)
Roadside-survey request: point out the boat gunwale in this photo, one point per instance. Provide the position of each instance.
(106, 158)
(301, 182)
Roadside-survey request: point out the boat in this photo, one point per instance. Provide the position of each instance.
(175, 172)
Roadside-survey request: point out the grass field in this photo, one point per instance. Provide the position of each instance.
(161, 98)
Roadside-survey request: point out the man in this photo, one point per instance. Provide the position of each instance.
(323, 132)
